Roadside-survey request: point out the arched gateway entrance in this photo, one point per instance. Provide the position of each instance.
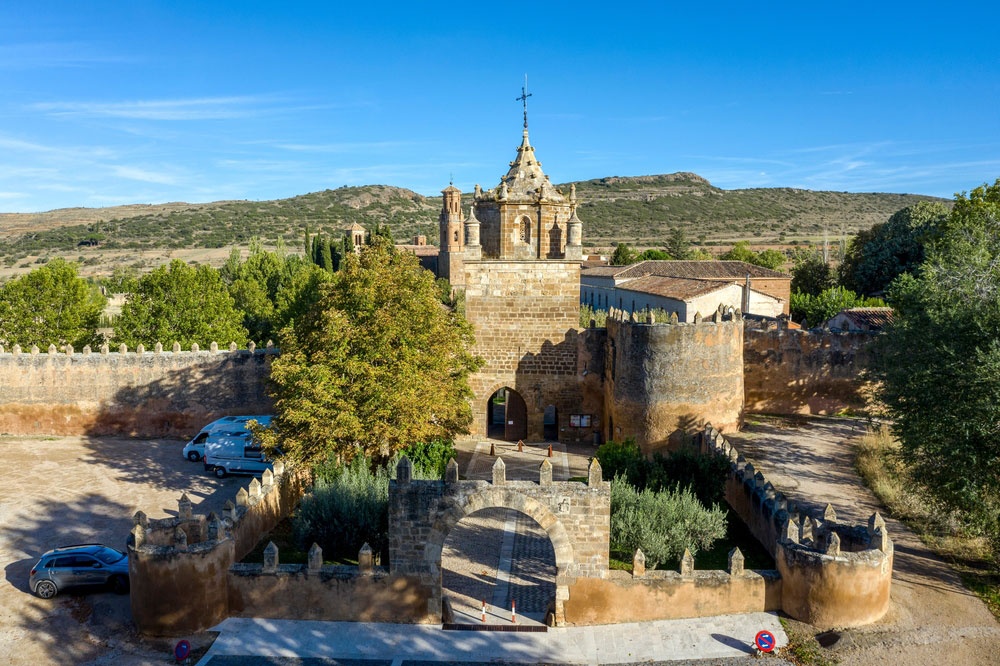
(506, 415)
(574, 516)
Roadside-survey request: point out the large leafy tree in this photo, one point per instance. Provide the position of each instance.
(875, 257)
(376, 364)
(180, 303)
(940, 361)
(741, 251)
(811, 274)
(51, 305)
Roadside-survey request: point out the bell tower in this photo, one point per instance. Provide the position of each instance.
(452, 236)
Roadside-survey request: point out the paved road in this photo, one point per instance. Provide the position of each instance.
(715, 639)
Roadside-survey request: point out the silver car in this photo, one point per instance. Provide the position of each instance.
(80, 566)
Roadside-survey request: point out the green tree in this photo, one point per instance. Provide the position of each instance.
(51, 305)
(814, 310)
(677, 245)
(623, 255)
(662, 523)
(875, 257)
(375, 365)
(767, 259)
(940, 362)
(180, 303)
(811, 275)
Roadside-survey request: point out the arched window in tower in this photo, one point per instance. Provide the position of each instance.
(524, 230)
(456, 237)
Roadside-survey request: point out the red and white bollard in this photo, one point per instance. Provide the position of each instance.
(484, 611)
(513, 612)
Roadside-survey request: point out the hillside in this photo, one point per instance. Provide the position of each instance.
(638, 210)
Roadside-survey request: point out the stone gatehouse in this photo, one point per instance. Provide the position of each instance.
(576, 516)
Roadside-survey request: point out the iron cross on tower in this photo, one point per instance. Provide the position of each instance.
(524, 99)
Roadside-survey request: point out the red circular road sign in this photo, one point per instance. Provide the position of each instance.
(182, 650)
(764, 641)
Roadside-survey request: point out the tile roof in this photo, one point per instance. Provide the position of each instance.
(870, 318)
(681, 289)
(706, 270)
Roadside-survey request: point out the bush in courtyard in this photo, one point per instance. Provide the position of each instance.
(661, 523)
(705, 475)
(623, 459)
(349, 504)
(431, 457)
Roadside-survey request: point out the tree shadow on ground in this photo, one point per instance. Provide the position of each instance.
(64, 628)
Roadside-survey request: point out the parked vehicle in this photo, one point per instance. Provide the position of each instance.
(234, 453)
(195, 449)
(80, 566)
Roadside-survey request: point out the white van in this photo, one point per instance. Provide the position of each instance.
(234, 453)
(195, 449)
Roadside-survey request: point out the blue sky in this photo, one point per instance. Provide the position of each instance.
(105, 103)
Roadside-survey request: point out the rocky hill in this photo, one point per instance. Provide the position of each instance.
(638, 210)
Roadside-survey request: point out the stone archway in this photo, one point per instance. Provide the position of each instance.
(574, 515)
(506, 415)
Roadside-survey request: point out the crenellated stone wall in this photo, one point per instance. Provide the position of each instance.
(178, 566)
(832, 574)
(805, 372)
(664, 381)
(143, 393)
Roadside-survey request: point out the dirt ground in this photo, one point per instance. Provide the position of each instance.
(933, 619)
(58, 491)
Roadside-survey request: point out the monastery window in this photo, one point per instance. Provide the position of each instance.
(456, 237)
(524, 230)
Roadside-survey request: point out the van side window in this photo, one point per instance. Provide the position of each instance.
(200, 439)
(252, 452)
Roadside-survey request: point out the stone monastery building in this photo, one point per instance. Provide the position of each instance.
(517, 254)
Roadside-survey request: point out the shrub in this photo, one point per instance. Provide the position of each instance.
(430, 458)
(623, 459)
(661, 523)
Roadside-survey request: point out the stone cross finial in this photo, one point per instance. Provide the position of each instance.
(687, 564)
(271, 558)
(451, 471)
(594, 473)
(314, 561)
(404, 470)
(736, 561)
(638, 563)
(545, 473)
(365, 560)
(499, 472)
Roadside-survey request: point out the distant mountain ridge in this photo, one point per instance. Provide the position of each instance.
(639, 210)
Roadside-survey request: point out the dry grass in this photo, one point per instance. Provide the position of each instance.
(881, 466)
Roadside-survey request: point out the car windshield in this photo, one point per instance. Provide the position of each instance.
(108, 555)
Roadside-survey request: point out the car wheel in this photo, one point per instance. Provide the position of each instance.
(119, 584)
(45, 589)
(194, 457)
(220, 472)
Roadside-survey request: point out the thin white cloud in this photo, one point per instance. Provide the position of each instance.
(47, 55)
(206, 108)
(145, 175)
(347, 147)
